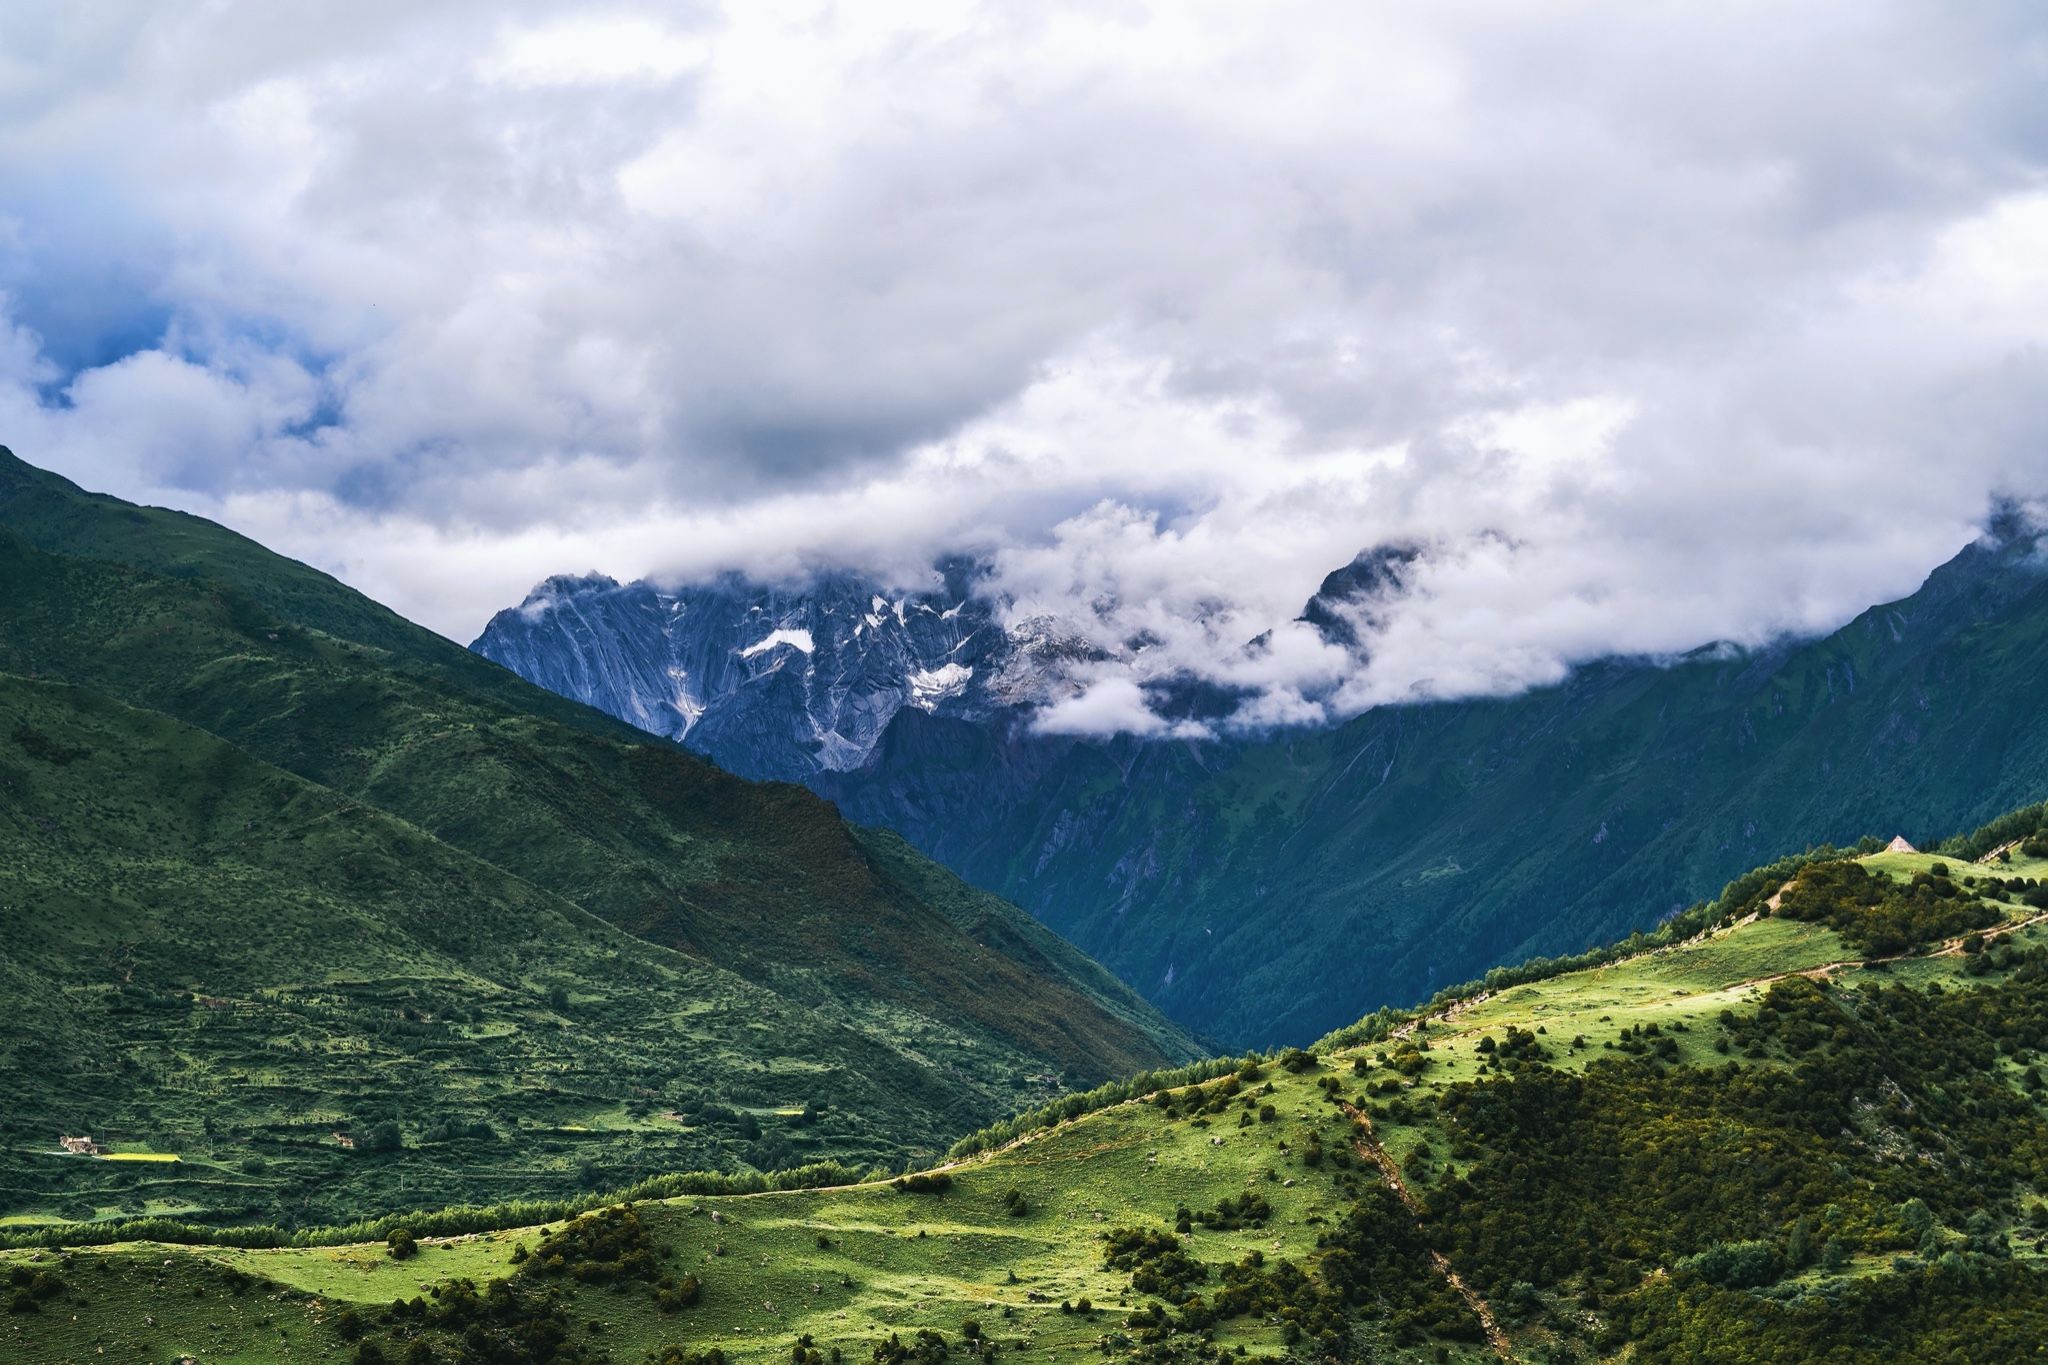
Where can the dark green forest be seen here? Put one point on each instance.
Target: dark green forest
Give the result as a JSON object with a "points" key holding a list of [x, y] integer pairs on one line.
{"points": [[348, 920]]}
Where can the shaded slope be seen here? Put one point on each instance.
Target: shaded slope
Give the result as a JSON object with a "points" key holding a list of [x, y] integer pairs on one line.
{"points": [[762, 878], [874, 952], [207, 956]]}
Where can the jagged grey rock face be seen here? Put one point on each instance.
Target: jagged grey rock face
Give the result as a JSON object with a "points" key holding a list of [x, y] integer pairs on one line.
{"points": [[780, 681], [1358, 594], [797, 680]]}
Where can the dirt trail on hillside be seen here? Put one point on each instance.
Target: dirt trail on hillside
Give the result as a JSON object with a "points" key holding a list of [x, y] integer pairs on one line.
{"points": [[1367, 1145], [1948, 947], [1450, 1012]]}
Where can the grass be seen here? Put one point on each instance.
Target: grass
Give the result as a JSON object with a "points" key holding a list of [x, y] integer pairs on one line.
{"points": [[913, 1260], [1680, 990], [850, 1264]]}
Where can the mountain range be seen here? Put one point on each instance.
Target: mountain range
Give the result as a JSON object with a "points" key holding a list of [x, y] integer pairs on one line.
{"points": [[781, 683], [384, 1001], [1264, 888]]}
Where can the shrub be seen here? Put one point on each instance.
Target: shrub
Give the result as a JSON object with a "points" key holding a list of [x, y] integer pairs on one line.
{"points": [[597, 1248], [1877, 916], [674, 1295], [1735, 1265]]}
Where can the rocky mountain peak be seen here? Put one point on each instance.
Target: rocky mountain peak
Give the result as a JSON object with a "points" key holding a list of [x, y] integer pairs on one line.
{"points": [[556, 587], [789, 680], [1355, 594], [783, 680]]}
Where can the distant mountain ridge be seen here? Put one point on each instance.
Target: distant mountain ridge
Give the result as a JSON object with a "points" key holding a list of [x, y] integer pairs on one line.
{"points": [[796, 681], [1268, 888], [792, 681], [774, 681]]}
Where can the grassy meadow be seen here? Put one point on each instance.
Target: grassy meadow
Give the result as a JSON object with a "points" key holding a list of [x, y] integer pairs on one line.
{"points": [[1025, 1229]]}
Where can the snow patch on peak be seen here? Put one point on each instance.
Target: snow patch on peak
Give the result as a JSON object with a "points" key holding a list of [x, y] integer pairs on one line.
{"points": [[796, 637], [930, 686]]}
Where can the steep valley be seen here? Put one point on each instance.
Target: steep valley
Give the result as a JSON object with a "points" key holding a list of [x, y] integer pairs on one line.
{"points": [[1265, 887]]}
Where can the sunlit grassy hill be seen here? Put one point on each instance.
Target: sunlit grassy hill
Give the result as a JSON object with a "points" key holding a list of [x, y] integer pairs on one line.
{"points": [[1753, 1142]]}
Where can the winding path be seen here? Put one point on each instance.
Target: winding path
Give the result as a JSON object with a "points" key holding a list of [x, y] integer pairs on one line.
{"points": [[1367, 1145]]}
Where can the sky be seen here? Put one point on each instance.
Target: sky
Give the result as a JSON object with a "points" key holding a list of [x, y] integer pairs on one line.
{"points": [[1652, 324]]}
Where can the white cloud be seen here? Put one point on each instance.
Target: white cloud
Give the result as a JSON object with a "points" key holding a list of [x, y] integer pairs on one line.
{"points": [[1656, 325], [1111, 705], [587, 50]]}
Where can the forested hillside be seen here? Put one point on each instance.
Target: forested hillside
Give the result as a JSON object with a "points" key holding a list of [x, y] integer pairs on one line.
{"points": [[663, 966], [1805, 1125]]}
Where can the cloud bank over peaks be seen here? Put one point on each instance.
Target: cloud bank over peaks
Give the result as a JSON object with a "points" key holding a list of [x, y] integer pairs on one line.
{"points": [[1483, 616], [1651, 325]]}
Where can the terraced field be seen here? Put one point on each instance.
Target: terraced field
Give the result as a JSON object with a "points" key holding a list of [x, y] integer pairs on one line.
{"points": [[844, 1265]]}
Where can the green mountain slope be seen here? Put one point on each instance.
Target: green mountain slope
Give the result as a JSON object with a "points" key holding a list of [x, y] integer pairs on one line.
{"points": [[1758, 1143], [926, 1006], [210, 957], [1267, 891], [57, 516]]}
